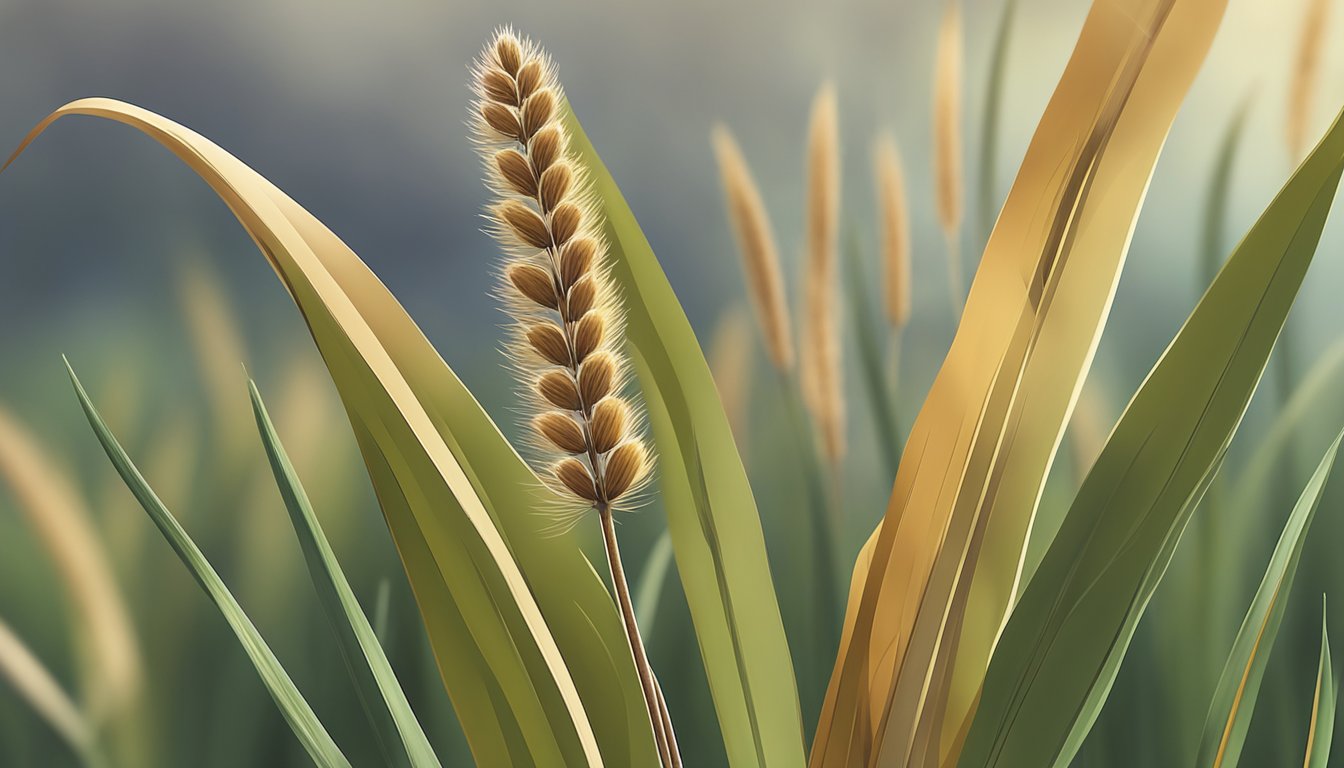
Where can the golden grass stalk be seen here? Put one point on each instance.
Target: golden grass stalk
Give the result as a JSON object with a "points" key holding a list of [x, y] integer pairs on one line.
{"points": [[217, 341], [1306, 73], [756, 243], [566, 342], [894, 217], [63, 525], [36, 685], [730, 362], [819, 361], [947, 172]]}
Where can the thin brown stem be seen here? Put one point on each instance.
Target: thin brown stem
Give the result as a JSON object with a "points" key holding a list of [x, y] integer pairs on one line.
{"points": [[661, 727], [666, 715]]}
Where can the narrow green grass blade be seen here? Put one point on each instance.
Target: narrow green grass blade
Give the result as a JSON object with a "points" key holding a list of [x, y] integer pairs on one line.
{"points": [[1063, 644], [987, 205], [300, 716], [527, 638], [712, 516], [1233, 702], [1322, 730], [650, 587], [398, 731], [1220, 189], [870, 349]]}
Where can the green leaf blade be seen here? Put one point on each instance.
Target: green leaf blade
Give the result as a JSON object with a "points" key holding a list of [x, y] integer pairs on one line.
{"points": [[1233, 702], [398, 731], [1063, 644], [712, 516], [300, 716]]}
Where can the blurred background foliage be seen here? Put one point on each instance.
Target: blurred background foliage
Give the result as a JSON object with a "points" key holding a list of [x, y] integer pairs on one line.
{"points": [[116, 256]]}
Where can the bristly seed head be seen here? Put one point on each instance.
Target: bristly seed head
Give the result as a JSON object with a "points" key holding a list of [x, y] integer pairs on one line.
{"points": [[567, 333]]}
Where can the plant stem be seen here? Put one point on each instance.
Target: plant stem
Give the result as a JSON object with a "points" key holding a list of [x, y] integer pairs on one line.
{"points": [[658, 718]]}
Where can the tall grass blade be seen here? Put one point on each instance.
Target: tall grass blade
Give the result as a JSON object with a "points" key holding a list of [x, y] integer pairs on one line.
{"points": [[1212, 249], [649, 590], [34, 683], [1064, 642], [1233, 702], [991, 112], [293, 706], [509, 606], [965, 495], [1323, 704], [399, 734], [873, 372], [712, 517], [59, 515]]}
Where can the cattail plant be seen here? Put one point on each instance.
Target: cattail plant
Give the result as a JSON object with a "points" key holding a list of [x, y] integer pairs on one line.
{"points": [[756, 242], [567, 326], [820, 364], [947, 145], [894, 236]]}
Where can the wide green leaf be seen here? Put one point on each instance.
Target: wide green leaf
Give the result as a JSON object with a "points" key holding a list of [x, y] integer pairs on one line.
{"points": [[1326, 698], [712, 517], [1233, 702], [526, 635], [400, 737], [1063, 644], [293, 706]]}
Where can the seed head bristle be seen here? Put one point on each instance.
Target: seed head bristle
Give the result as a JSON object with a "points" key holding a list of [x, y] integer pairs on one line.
{"points": [[947, 119], [895, 231], [819, 364], [756, 243], [567, 322]]}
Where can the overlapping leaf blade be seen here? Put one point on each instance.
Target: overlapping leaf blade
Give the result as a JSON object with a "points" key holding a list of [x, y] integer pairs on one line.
{"points": [[527, 638], [1064, 642], [399, 734], [1321, 733], [1233, 702], [946, 565], [712, 517], [314, 737]]}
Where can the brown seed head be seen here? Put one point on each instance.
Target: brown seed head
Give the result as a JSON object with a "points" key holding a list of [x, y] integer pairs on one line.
{"points": [[895, 230], [565, 309], [756, 243], [947, 120]]}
